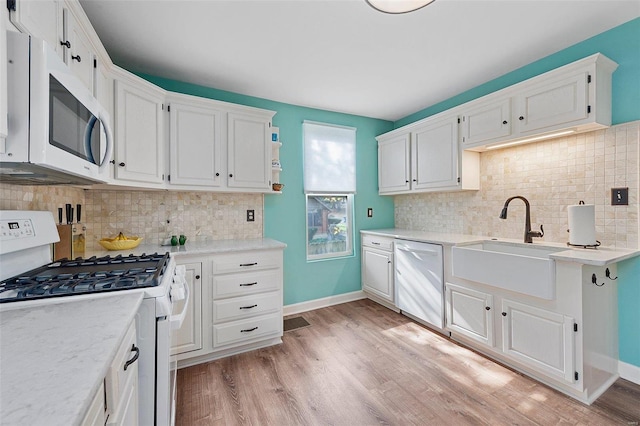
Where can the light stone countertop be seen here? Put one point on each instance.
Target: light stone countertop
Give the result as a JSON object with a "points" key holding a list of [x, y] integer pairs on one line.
{"points": [[54, 355], [601, 256], [198, 247]]}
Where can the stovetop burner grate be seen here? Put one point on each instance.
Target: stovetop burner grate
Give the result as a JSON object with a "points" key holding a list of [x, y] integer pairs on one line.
{"points": [[84, 276]]}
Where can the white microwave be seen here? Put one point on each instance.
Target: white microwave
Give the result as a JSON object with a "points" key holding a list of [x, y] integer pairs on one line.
{"points": [[58, 132]]}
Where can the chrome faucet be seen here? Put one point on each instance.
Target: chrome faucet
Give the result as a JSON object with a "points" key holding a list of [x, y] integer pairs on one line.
{"points": [[528, 233]]}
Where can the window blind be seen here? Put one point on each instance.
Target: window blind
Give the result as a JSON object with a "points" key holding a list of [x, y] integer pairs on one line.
{"points": [[329, 158]]}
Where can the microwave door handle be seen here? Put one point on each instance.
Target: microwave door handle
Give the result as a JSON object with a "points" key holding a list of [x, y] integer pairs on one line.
{"points": [[88, 131], [103, 116]]}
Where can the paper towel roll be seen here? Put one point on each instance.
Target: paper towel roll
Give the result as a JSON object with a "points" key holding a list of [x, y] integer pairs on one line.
{"points": [[582, 225]]}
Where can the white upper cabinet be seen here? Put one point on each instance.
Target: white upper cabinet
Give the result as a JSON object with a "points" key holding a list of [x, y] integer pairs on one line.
{"points": [[195, 141], [41, 19], [426, 157], [80, 55], [394, 167], [549, 104], [3, 81], [249, 150], [139, 142], [570, 99], [487, 122], [434, 154]]}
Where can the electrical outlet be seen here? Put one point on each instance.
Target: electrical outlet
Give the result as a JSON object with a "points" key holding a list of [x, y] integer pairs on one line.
{"points": [[619, 196], [251, 215], [369, 212]]}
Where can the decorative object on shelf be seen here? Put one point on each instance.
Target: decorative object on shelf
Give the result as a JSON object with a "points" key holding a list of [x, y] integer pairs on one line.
{"points": [[182, 240], [121, 242], [398, 6], [277, 186], [276, 164], [174, 240], [275, 134]]}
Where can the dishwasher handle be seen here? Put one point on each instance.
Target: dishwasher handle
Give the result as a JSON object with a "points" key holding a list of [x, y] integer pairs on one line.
{"points": [[413, 250]]}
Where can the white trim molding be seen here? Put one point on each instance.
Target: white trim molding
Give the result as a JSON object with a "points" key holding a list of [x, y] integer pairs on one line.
{"points": [[629, 372], [297, 308]]}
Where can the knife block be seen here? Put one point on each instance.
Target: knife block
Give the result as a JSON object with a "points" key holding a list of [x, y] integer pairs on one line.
{"points": [[72, 242]]}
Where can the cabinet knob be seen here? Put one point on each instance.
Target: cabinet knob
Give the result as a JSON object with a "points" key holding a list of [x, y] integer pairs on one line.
{"points": [[66, 44], [488, 308], [521, 118], [76, 58], [217, 174], [230, 174], [112, 162], [504, 314], [415, 180], [197, 277], [504, 122], [121, 164]]}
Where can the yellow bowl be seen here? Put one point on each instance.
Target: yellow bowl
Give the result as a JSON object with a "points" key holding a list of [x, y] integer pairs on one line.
{"points": [[115, 244]]}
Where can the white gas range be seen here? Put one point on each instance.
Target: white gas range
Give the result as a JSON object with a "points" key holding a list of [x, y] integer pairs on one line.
{"points": [[29, 277]]}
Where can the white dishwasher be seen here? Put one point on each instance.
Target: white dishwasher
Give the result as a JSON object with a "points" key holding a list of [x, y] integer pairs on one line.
{"points": [[419, 281]]}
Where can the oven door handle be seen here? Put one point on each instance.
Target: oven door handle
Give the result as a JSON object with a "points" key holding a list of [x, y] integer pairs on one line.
{"points": [[177, 319]]}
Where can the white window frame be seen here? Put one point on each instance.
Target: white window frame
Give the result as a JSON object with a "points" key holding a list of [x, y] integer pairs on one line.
{"points": [[348, 252]]}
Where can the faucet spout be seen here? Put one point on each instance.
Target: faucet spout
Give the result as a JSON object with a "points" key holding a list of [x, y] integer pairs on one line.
{"points": [[528, 233]]}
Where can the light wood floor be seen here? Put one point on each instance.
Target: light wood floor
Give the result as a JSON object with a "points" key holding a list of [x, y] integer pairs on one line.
{"points": [[362, 364]]}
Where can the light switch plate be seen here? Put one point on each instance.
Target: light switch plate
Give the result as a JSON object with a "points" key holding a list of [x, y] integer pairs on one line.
{"points": [[369, 212], [619, 196]]}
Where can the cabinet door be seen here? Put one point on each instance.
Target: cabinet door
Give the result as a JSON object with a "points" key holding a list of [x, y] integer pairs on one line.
{"points": [[540, 339], [79, 57], [249, 152], [469, 312], [139, 147], [377, 273], [550, 105], [189, 337], [3, 81], [486, 123], [434, 154], [393, 164], [195, 142], [41, 19]]}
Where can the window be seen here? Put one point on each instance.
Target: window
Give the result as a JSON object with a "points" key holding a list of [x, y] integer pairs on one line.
{"points": [[329, 184]]}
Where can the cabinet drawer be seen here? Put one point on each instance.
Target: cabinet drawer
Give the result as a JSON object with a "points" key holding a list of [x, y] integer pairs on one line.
{"points": [[242, 331], [118, 378], [248, 261], [245, 307], [246, 283], [383, 243]]}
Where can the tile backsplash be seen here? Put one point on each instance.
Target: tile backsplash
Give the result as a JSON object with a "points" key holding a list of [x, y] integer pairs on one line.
{"points": [[153, 215], [551, 175]]}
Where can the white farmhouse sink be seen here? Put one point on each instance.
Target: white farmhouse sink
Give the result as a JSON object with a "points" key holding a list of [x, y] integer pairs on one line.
{"points": [[523, 268]]}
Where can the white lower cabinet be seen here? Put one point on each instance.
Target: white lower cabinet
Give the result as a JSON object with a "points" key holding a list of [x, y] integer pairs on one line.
{"points": [[96, 415], [469, 312], [378, 267], [539, 338], [189, 337], [237, 304], [122, 383], [569, 342]]}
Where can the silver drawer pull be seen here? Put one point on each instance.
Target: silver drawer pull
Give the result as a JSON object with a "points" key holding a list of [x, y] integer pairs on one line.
{"points": [[374, 243], [249, 330], [249, 264], [248, 284], [248, 307]]}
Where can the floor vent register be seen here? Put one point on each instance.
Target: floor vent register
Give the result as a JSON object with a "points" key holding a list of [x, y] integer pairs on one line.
{"points": [[295, 323]]}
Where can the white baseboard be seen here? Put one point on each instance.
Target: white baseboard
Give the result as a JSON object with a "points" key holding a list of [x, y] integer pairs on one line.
{"points": [[297, 308], [629, 372]]}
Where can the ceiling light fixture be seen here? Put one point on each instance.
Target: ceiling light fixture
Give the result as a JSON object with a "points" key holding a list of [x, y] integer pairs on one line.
{"points": [[398, 6], [537, 138]]}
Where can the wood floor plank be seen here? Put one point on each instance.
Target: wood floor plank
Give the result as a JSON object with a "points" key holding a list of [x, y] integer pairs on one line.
{"points": [[359, 363]]}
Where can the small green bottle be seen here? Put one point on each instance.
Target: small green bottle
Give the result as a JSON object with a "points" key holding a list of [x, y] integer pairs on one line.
{"points": [[182, 240], [174, 240]]}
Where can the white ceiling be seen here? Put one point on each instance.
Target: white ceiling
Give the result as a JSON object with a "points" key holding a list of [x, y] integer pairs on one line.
{"points": [[342, 55]]}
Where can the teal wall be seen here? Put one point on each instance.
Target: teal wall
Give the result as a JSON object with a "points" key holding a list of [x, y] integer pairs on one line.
{"points": [[285, 214], [621, 44]]}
